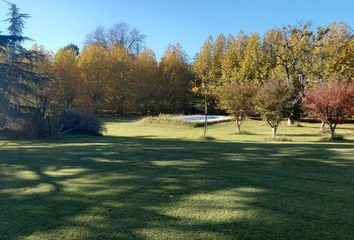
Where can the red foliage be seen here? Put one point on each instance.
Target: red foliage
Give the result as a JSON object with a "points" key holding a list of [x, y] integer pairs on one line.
{"points": [[332, 102]]}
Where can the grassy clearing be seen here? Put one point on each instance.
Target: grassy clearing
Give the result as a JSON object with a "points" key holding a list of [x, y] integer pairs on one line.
{"points": [[160, 181]]}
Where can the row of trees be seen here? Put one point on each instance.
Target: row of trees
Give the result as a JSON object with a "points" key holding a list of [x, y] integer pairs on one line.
{"points": [[119, 79], [332, 101], [112, 80], [230, 70], [115, 73], [296, 54]]}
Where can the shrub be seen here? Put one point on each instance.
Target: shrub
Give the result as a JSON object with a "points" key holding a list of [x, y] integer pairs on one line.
{"points": [[169, 121], [25, 131], [297, 124], [81, 122], [336, 137], [278, 139], [29, 127], [243, 132], [207, 138]]}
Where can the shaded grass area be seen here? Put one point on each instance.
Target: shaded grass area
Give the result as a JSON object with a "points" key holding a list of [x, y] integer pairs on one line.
{"points": [[147, 184]]}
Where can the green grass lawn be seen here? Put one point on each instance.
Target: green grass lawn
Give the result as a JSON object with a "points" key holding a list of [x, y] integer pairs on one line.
{"points": [[163, 182]]}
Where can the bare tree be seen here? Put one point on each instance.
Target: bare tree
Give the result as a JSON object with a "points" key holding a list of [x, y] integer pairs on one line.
{"points": [[136, 41], [99, 36], [119, 34]]}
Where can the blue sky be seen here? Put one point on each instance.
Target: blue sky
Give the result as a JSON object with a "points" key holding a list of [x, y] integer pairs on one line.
{"points": [[55, 23]]}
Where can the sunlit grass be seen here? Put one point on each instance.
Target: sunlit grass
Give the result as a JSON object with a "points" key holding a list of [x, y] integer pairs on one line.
{"points": [[251, 131]]}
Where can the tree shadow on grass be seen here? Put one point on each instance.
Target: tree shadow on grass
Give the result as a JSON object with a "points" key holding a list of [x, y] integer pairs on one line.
{"points": [[303, 134], [145, 188]]}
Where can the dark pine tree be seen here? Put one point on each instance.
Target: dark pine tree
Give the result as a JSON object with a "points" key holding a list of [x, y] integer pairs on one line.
{"points": [[73, 47], [21, 102]]}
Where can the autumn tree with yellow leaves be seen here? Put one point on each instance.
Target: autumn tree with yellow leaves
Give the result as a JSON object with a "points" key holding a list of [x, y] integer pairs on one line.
{"points": [[64, 91], [175, 80], [94, 75]]}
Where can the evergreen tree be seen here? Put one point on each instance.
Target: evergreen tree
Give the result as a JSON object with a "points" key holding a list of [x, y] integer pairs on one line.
{"points": [[73, 47], [21, 104]]}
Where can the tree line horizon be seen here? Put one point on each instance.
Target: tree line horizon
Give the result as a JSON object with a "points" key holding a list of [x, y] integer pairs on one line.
{"points": [[115, 73], [233, 58]]}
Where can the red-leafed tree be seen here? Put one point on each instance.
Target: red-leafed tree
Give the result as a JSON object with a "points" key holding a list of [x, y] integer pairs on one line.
{"points": [[332, 102]]}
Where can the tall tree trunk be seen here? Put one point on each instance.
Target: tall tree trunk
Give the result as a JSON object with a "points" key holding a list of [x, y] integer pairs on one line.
{"points": [[206, 115], [322, 126], [122, 106], [290, 121], [288, 77], [274, 129], [332, 132], [238, 125]]}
